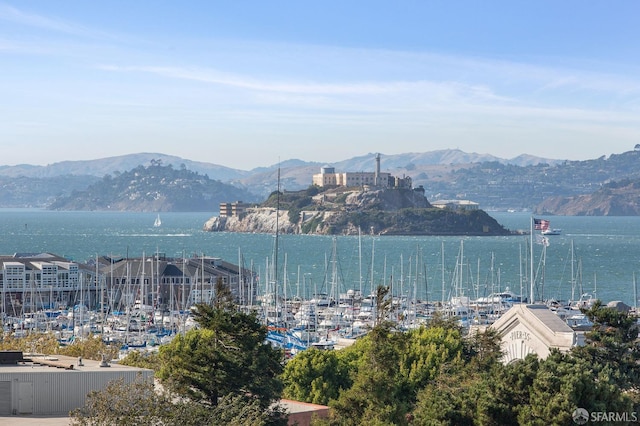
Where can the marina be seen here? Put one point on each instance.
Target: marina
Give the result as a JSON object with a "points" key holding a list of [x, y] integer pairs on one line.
{"points": [[323, 288]]}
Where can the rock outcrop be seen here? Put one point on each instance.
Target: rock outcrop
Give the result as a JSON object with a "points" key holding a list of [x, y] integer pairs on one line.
{"points": [[261, 220], [348, 212]]}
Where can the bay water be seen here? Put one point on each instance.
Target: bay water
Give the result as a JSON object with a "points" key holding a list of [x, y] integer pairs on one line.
{"points": [[597, 255]]}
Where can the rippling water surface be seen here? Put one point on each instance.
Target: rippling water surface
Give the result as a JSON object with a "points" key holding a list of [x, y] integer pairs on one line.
{"points": [[606, 253]]}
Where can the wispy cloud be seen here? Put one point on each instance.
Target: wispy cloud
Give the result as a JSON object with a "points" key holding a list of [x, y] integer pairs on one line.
{"points": [[18, 16], [472, 78], [402, 91], [8, 13], [411, 102], [243, 82], [292, 85], [552, 77]]}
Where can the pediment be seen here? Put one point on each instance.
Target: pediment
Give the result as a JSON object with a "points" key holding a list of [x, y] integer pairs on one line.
{"points": [[526, 329]]}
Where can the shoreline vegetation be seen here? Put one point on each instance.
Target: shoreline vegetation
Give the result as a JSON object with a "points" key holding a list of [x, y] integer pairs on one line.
{"points": [[351, 211]]}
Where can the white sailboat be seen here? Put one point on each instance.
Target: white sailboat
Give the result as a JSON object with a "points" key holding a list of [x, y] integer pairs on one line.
{"points": [[157, 222]]}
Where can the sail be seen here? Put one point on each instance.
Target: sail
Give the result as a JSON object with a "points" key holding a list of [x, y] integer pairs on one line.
{"points": [[158, 222]]}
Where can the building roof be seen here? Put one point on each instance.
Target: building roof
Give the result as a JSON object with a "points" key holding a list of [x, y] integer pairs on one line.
{"points": [[536, 328], [298, 406], [538, 316], [39, 363], [456, 202], [547, 317], [35, 261], [169, 267]]}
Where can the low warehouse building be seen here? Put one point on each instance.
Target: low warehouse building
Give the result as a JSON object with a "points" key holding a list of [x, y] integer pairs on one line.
{"points": [[55, 385]]}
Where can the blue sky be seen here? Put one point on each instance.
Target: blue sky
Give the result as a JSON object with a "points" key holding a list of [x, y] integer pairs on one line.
{"points": [[250, 83]]}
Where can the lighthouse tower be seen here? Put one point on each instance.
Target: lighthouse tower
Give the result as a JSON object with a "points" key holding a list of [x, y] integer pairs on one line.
{"points": [[376, 178]]}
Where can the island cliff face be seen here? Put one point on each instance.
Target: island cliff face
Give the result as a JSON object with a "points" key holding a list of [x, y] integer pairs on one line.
{"points": [[259, 220], [343, 211]]}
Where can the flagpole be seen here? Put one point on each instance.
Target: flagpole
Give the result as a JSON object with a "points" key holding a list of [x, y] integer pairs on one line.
{"points": [[531, 298]]}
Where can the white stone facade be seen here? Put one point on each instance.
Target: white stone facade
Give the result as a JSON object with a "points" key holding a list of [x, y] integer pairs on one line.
{"points": [[526, 329]]}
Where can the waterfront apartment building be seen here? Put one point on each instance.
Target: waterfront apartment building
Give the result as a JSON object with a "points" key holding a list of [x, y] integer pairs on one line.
{"points": [[32, 281], [36, 281], [172, 283]]}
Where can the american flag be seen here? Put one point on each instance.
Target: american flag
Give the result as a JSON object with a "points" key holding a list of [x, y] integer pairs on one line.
{"points": [[540, 224]]}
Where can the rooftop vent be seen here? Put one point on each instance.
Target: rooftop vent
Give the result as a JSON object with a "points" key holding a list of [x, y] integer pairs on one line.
{"points": [[10, 357], [104, 362]]}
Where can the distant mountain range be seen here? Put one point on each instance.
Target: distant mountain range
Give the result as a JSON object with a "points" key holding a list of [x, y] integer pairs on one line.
{"points": [[495, 183], [123, 163], [294, 174], [103, 166]]}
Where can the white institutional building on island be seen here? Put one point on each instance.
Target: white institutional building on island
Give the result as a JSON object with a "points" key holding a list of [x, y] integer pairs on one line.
{"points": [[329, 177]]}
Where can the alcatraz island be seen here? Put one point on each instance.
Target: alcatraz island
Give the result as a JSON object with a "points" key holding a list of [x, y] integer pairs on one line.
{"points": [[349, 203]]}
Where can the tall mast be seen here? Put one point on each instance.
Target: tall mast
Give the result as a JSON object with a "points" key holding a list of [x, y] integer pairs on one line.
{"points": [[531, 297], [240, 284], [442, 254], [635, 295], [275, 252], [360, 259], [373, 250], [520, 269], [142, 286], [573, 278], [202, 278]]}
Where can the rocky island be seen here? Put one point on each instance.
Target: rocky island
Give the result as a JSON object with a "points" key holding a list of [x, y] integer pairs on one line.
{"points": [[348, 212], [354, 202]]}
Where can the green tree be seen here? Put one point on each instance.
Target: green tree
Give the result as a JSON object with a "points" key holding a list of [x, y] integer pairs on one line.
{"points": [[223, 300], [315, 376], [378, 392], [427, 350], [506, 391], [483, 348], [562, 384], [222, 373], [399, 375], [122, 404], [140, 403], [91, 347], [383, 304], [44, 343], [612, 343], [449, 373], [446, 399], [226, 355], [149, 360]]}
